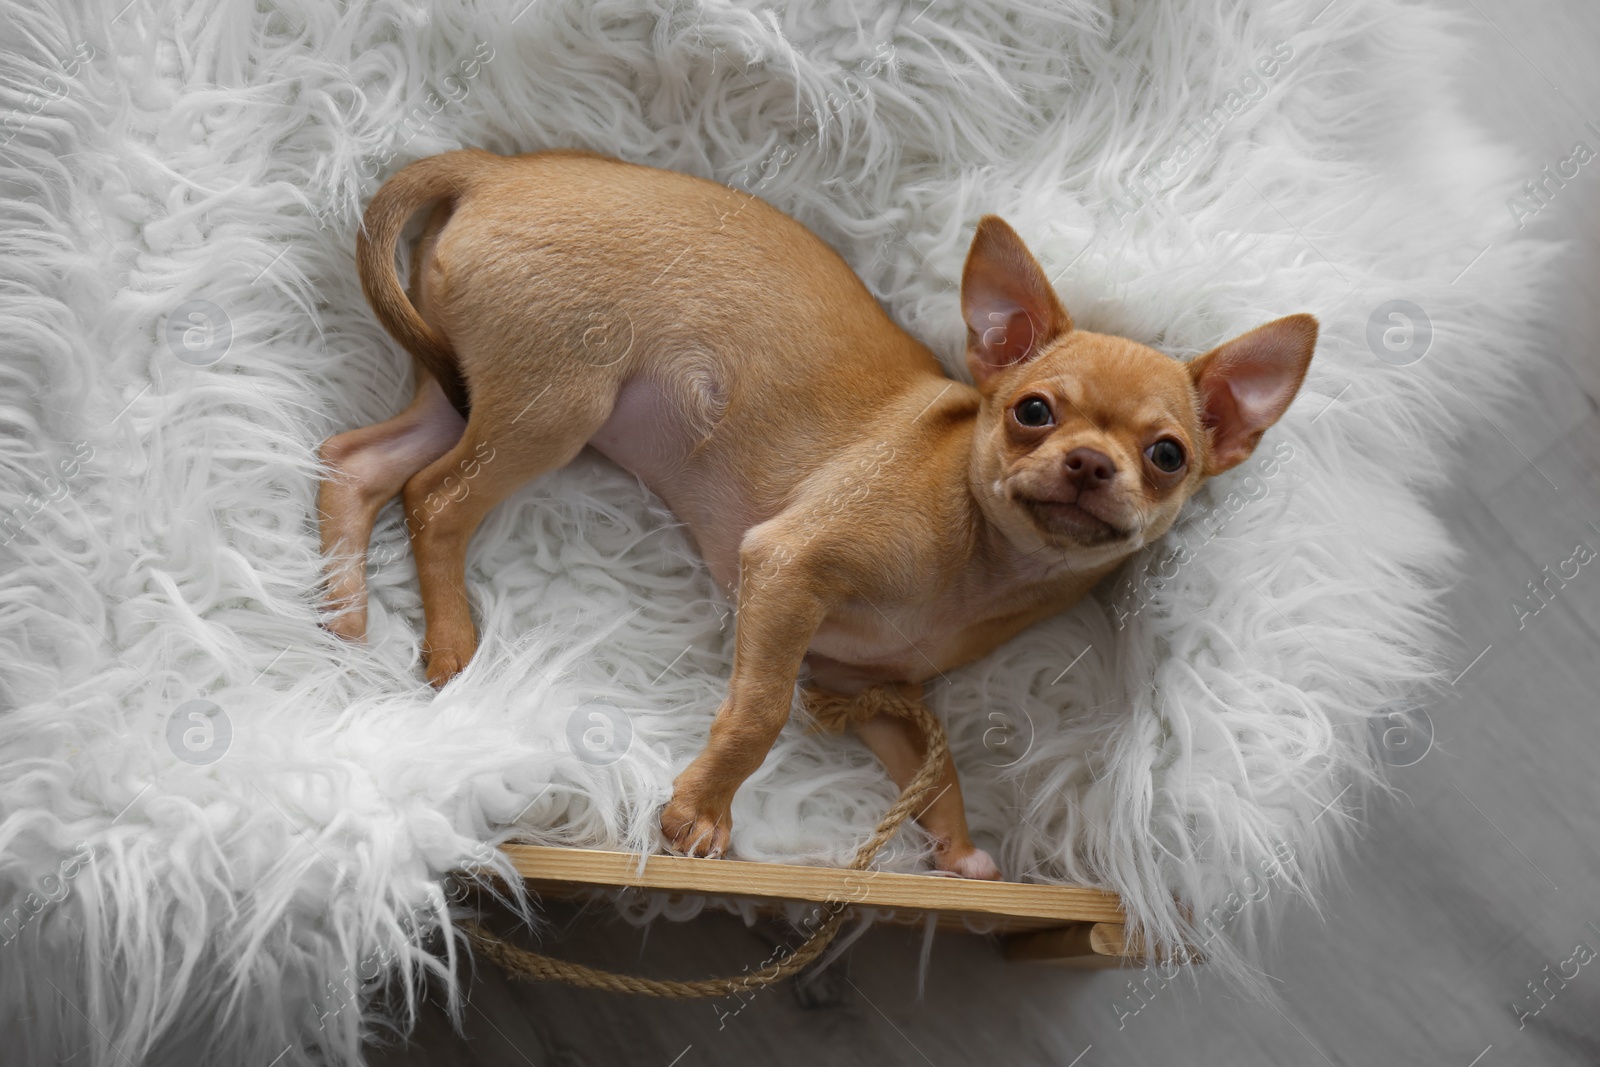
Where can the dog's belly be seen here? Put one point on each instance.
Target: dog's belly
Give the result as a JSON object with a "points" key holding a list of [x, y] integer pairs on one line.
{"points": [[645, 434], [653, 435]]}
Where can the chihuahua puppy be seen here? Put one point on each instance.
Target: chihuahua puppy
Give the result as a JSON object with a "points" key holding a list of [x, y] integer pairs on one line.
{"points": [[874, 521]]}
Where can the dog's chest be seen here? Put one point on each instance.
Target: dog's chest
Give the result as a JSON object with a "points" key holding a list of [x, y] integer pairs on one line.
{"points": [[870, 640], [862, 642], [858, 639]]}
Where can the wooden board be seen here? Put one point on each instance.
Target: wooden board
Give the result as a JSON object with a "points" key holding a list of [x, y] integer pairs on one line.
{"points": [[1081, 945], [1013, 906]]}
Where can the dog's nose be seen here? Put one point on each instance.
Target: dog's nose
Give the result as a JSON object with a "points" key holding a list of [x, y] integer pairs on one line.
{"points": [[1090, 469]]}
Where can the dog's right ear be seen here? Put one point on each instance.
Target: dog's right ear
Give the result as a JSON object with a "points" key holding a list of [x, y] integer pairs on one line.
{"points": [[1011, 309]]}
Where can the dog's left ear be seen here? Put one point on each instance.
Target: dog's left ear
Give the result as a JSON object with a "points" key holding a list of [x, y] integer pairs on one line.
{"points": [[1011, 309], [1247, 384]]}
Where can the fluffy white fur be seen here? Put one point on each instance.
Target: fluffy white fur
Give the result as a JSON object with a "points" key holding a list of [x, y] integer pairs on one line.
{"points": [[222, 150]]}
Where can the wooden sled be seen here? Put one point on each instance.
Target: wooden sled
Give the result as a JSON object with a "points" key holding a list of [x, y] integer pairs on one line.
{"points": [[1070, 925]]}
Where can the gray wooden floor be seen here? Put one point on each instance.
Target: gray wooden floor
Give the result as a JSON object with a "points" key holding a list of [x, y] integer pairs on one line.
{"points": [[1480, 881]]}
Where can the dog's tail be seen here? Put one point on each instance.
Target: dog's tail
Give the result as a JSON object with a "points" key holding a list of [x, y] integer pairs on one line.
{"points": [[437, 177]]}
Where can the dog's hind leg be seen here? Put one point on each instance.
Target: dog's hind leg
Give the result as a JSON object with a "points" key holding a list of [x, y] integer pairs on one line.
{"points": [[366, 468], [446, 500]]}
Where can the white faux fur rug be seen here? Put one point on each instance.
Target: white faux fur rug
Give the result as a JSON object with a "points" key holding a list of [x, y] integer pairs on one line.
{"points": [[220, 824]]}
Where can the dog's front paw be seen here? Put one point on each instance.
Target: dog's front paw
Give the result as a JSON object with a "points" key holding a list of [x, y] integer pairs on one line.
{"points": [[970, 862], [696, 829]]}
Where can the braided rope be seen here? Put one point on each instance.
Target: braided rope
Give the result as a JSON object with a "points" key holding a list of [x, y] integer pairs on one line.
{"points": [[831, 711]]}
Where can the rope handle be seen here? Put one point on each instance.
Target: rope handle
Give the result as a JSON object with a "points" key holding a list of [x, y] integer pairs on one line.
{"points": [[831, 710]]}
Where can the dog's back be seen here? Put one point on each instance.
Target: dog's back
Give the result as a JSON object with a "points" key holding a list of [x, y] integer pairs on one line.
{"points": [[700, 317]]}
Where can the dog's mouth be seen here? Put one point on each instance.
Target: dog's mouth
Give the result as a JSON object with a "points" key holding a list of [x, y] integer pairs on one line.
{"points": [[1073, 520]]}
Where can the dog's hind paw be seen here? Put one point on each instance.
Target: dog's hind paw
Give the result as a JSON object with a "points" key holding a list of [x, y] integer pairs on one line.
{"points": [[443, 665], [350, 624]]}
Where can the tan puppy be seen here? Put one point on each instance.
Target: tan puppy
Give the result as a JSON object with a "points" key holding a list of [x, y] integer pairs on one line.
{"points": [[874, 521]]}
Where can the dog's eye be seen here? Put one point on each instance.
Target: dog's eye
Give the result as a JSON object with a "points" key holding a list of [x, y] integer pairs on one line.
{"points": [[1166, 454], [1033, 412]]}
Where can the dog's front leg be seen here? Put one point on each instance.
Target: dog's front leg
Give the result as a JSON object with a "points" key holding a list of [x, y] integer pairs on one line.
{"points": [[781, 604], [900, 746]]}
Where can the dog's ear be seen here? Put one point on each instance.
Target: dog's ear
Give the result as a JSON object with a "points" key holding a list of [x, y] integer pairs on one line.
{"points": [[1012, 311], [1247, 384]]}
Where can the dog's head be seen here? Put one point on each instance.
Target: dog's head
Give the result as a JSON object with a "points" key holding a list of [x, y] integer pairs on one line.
{"points": [[1088, 445]]}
